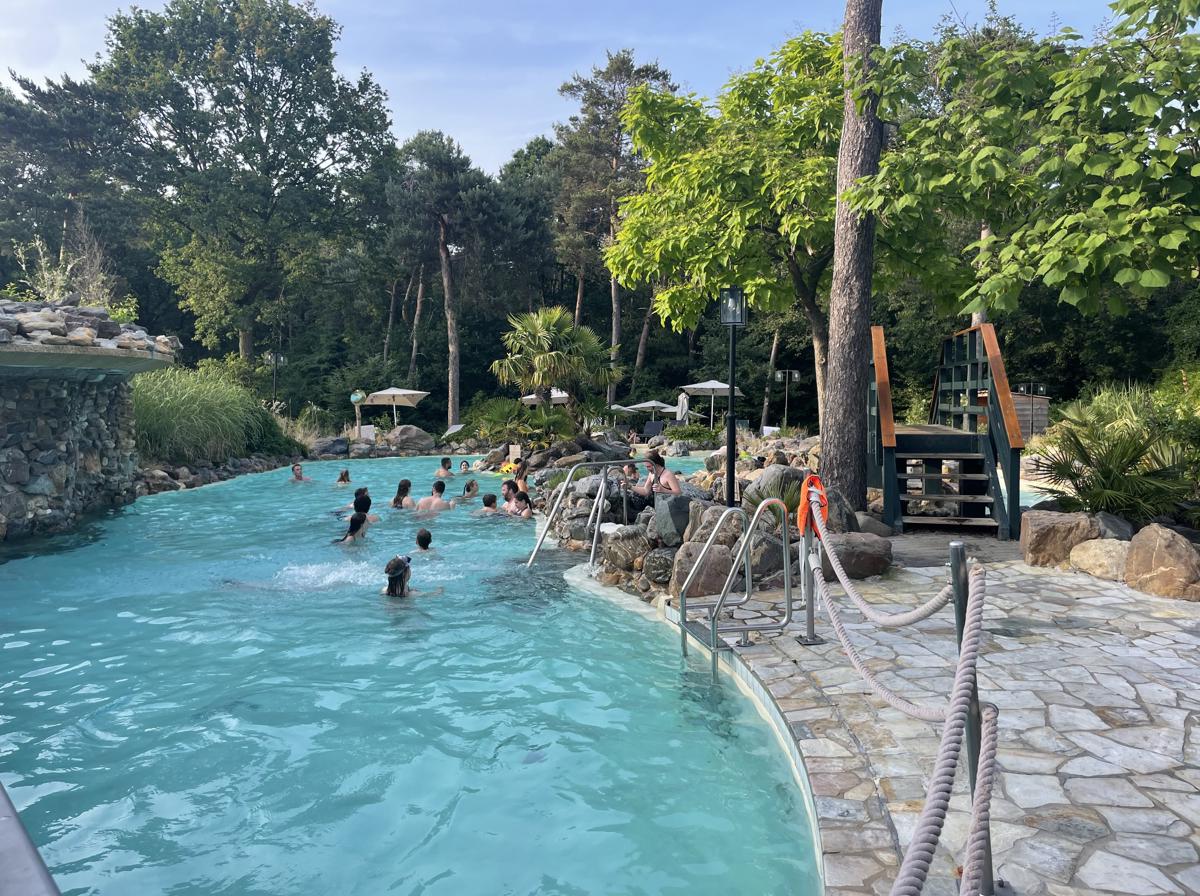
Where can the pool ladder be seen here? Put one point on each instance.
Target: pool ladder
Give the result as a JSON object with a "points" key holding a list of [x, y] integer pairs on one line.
{"points": [[711, 631], [595, 513]]}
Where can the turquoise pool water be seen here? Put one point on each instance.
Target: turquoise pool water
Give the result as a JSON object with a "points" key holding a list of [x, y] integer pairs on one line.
{"points": [[202, 695]]}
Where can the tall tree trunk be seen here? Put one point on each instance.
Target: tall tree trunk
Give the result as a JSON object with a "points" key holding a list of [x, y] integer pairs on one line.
{"points": [[770, 379], [643, 341], [818, 325], [980, 316], [451, 327], [246, 341], [387, 336], [844, 434], [579, 297], [416, 326], [616, 332]]}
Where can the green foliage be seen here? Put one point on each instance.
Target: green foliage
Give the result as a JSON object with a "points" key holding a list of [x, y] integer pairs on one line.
{"points": [[787, 491], [316, 418], [696, 433], [500, 420], [188, 415]]}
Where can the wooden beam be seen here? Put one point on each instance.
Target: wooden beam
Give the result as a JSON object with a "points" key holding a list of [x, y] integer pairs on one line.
{"points": [[1008, 409], [883, 388]]}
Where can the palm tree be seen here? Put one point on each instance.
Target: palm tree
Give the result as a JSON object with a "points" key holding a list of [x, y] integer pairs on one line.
{"points": [[546, 350]]}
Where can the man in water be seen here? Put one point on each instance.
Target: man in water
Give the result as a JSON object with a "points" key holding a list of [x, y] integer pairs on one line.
{"points": [[298, 474], [489, 505], [508, 491], [434, 500], [444, 471], [424, 540]]}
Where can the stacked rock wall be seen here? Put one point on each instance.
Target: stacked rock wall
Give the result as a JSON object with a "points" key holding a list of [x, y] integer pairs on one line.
{"points": [[66, 448]]}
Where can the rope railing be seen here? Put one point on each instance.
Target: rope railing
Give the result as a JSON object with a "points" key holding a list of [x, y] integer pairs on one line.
{"points": [[964, 720]]}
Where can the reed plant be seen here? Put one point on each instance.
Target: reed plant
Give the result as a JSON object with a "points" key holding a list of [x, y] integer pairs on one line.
{"points": [[185, 415]]}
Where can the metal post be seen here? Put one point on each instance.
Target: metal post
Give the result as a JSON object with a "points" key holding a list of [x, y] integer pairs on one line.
{"points": [[809, 590], [730, 432], [601, 497], [787, 382], [958, 579]]}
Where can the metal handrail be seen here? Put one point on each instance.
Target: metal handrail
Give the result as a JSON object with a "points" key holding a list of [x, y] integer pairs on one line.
{"points": [[744, 552], [694, 571], [604, 464]]}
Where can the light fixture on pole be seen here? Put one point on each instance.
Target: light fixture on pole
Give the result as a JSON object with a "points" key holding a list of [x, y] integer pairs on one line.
{"points": [[786, 377], [733, 315], [277, 359]]}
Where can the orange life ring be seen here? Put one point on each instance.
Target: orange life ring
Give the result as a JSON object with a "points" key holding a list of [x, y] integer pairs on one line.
{"points": [[812, 483]]}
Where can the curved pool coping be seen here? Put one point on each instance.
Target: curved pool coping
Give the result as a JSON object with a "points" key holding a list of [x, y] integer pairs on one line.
{"points": [[747, 681]]}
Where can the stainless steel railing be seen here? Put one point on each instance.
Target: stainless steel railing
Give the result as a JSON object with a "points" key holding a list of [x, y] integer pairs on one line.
{"points": [[596, 511]]}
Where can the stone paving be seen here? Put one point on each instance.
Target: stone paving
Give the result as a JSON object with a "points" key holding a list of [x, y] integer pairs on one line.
{"points": [[1099, 697]]}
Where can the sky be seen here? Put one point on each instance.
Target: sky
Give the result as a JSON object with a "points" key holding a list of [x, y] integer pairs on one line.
{"points": [[488, 73]]}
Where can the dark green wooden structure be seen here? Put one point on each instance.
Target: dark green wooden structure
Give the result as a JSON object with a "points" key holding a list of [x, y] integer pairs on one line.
{"points": [[965, 462]]}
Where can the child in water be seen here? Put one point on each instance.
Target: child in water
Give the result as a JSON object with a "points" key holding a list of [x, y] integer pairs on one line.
{"points": [[398, 572]]}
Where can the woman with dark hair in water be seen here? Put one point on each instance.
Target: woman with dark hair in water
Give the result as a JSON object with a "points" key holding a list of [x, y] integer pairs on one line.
{"points": [[469, 494], [520, 474], [398, 572], [357, 531], [402, 500], [343, 478], [524, 506]]}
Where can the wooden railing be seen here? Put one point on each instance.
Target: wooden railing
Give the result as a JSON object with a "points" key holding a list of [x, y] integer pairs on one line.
{"points": [[971, 385], [881, 435]]}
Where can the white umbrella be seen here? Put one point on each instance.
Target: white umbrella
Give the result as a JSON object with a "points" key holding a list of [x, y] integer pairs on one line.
{"points": [[457, 427], [652, 406], [407, 398], [557, 396], [711, 388], [681, 409]]}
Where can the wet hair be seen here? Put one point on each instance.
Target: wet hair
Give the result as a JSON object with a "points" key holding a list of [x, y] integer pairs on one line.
{"points": [[439, 487], [397, 572], [655, 458], [630, 468], [489, 500], [522, 469], [445, 463], [357, 521], [402, 490], [464, 464], [424, 539], [523, 498], [511, 483], [470, 488], [294, 466], [344, 476], [362, 503], [360, 491]]}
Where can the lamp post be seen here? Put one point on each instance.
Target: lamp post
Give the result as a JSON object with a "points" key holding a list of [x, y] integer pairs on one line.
{"points": [[786, 377], [276, 358], [733, 315], [1031, 389]]}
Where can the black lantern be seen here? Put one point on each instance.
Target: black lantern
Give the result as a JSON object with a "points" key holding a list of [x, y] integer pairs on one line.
{"points": [[733, 306]]}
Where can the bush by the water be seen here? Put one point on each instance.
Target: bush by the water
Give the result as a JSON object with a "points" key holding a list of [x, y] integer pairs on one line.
{"points": [[696, 433], [189, 415]]}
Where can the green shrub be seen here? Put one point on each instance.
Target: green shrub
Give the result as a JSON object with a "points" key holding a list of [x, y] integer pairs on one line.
{"points": [[696, 433], [186, 415]]}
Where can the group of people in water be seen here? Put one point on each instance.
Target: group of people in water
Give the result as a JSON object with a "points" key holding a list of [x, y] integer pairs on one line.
{"points": [[515, 502]]}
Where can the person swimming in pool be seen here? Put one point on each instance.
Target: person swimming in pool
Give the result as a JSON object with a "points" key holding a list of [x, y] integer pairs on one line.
{"points": [[402, 499], [298, 474], [524, 505], [357, 531], [399, 572], [469, 494], [489, 506], [424, 540], [444, 471], [343, 478], [434, 500], [464, 468]]}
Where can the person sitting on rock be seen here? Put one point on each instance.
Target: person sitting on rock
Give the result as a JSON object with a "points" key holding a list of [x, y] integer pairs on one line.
{"points": [[357, 531], [659, 480], [444, 471], [298, 474], [402, 499], [434, 500], [489, 506]]}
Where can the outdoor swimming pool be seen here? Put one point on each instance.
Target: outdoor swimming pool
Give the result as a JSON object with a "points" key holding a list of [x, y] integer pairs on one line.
{"points": [[202, 695]]}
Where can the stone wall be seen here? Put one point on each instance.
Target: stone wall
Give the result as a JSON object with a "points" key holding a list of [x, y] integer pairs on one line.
{"points": [[66, 420], [66, 448]]}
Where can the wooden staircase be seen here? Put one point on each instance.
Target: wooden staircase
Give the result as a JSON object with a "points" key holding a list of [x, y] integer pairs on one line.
{"points": [[963, 467]]}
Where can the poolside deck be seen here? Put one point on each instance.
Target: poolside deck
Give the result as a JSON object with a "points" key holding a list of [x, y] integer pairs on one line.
{"points": [[1099, 695]]}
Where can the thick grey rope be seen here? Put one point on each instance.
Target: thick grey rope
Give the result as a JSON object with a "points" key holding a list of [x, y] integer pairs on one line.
{"points": [[908, 617], [928, 713], [981, 809], [919, 855]]}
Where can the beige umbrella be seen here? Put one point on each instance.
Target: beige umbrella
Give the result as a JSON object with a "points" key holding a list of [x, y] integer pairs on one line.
{"points": [[557, 396], [652, 406], [397, 398], [711, 388]]}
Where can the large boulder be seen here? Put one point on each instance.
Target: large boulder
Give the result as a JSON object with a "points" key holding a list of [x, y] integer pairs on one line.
{"points": [[671, 514], [495, 458], [330, 445], [772, 482], [1047, 538], [729, 534], [1163, 562], [679, 449], [868, 523], [712, 575], [842, 517], [693, 491], [1113, 526], [410, 438], [1103, 558], [657, 565], [715, 461], [766, 554], [624, 546], [361, 449], [862, 555], [656, 441], [570, 460]]}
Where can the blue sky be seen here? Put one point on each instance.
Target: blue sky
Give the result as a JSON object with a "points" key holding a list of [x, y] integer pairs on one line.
{"points": [[487, 73]]}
